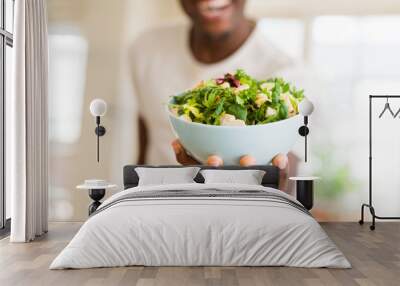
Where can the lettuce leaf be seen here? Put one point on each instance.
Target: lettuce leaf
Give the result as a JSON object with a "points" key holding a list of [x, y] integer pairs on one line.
{"points": [[236, 94]]}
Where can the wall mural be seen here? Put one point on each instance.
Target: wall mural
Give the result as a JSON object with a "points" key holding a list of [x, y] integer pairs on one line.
{"points": [[342, 70]]}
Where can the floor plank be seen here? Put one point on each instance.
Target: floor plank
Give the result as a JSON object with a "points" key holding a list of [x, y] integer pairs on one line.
{"points": [[375, 257]]}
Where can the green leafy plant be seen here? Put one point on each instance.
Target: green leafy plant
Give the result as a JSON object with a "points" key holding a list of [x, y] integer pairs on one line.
{"points": [[336, 177]]}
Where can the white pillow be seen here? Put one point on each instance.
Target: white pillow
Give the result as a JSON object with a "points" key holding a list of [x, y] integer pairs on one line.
{"points": [[248, 177], [165, 176]]}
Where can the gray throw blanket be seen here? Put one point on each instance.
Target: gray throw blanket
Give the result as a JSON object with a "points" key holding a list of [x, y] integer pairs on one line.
{"points": [[207, 194]]}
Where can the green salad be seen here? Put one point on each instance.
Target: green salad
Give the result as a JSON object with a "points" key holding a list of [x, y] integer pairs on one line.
{"points": [[238, 100]]}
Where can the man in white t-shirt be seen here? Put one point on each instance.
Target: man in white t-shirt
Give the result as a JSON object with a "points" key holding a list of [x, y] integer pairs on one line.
{"points": [[169, 60]]}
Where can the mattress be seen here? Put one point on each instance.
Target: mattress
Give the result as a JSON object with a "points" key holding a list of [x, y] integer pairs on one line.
{"points": [[201, 225]]}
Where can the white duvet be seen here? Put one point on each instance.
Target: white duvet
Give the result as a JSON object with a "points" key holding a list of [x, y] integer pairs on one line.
{"points": [[200, 231]]}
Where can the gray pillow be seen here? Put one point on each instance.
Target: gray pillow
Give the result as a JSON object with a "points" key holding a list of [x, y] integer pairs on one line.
{"points": [[248, 177], [165, 176]]}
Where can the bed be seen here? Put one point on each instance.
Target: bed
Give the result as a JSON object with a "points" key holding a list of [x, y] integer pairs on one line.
{"points": [[198, 224]]}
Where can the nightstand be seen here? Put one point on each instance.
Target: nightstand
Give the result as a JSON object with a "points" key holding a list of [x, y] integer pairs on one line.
{"points": [[305, 190], [97, 190]]}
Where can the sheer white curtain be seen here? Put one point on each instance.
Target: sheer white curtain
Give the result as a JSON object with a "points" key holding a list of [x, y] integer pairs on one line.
{"points": [[27, 121]]}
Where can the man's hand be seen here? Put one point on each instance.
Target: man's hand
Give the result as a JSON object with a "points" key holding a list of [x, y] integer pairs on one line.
{"points": [[182, 157], [280, 160]]}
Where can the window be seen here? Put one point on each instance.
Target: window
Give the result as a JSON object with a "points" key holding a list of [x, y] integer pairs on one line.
{"points": [[6, 44], [68, 51], [357, 56]]}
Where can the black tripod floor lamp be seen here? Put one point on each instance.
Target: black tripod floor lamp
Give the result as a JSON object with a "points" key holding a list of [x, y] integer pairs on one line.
{"points": [[370, 202]]}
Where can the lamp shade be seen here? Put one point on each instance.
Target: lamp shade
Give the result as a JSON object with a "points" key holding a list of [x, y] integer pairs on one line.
{"points": [[98, 107], [306, 107]]}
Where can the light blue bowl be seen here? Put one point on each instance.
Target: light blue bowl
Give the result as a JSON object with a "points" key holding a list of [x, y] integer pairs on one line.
{"points": [[263, 142]]}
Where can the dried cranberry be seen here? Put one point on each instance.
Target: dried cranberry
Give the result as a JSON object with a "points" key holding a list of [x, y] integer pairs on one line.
{"points": [[232, 80]]}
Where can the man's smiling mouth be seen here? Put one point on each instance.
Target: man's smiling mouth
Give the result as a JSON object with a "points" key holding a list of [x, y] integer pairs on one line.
{"points": [[213, 8]]}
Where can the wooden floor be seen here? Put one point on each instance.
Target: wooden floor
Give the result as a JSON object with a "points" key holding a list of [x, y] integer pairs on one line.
{"points": [[375, 257]]}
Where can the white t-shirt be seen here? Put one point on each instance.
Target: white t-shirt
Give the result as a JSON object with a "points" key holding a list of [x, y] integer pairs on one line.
{"points": [[163, 65]]}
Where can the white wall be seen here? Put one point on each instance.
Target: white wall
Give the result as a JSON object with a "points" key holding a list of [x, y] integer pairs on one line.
{"points": [[101, 31], [95, 75]]}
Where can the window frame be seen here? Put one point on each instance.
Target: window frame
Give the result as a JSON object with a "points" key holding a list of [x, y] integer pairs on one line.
{"points": [[6, 39]]}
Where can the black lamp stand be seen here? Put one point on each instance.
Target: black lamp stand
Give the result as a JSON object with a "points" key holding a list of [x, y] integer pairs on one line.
{"points": [[305, 193], [100, 131], [304, 131], [96, 195]]}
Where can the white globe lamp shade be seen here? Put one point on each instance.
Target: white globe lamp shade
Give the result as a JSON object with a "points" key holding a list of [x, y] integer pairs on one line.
{"points": [[306, 107], [98, 107]]}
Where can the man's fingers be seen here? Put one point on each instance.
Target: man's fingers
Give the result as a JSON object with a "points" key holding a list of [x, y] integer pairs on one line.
{"points": [[247, 160], [181, 156], [214, 161], [177, 146], [280, 161]]}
